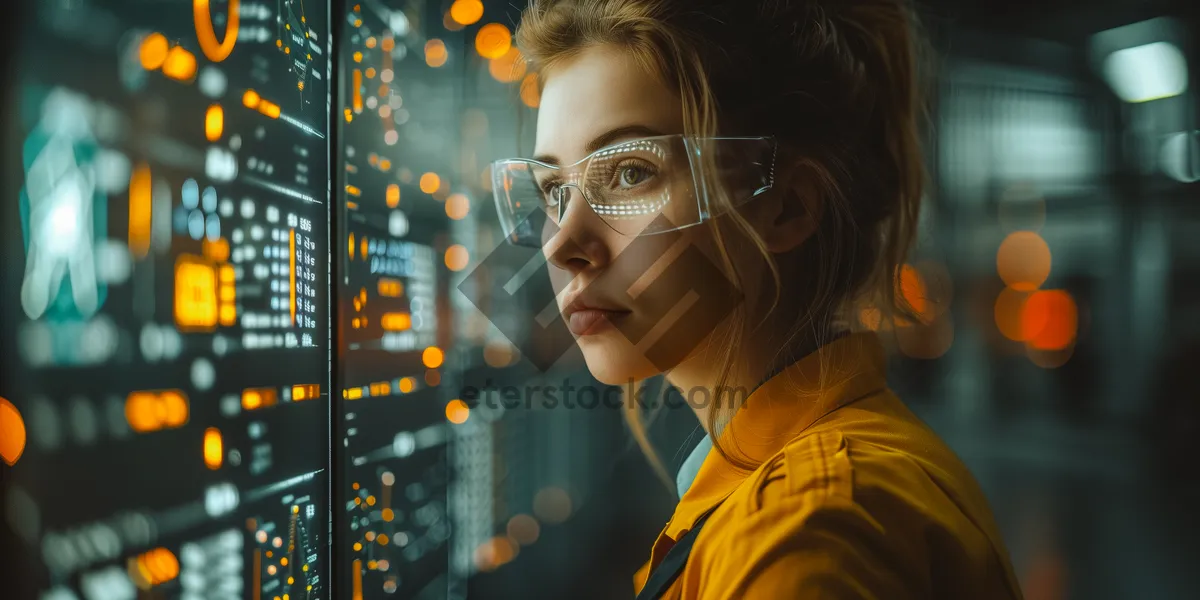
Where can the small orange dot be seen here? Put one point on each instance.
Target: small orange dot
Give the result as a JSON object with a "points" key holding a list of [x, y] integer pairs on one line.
{"points": [[430, 182], [432, 357], [457, 257]]}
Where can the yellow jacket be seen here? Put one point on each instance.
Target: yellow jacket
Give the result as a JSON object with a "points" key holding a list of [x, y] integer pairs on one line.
{"points": [[855, 498]]}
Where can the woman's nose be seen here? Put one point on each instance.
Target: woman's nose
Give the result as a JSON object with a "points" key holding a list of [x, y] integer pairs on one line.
{"points": [[579, 240]]}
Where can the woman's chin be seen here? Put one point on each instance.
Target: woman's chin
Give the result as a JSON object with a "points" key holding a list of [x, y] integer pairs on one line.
{"points": [[616, 364]]}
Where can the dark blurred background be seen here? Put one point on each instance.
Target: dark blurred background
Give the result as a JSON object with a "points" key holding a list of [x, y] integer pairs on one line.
{"points": [[1060, 245]]}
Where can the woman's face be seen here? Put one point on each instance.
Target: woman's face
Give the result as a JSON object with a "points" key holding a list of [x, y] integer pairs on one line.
{"points": [[625, 299]]}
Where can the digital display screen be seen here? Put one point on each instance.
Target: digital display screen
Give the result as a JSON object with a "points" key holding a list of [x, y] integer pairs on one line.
{"points": [[164, 310]]}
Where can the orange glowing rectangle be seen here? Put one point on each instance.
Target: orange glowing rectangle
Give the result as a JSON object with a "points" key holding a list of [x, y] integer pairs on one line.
{"points": [[153, 568], [217, 251], [256, 398], [354, 393], [292, 272], [352, 206], [195, 294], [228, 315], [353, 191], [357, 94], [269, 109], [214, 448], [148, 411], [356, 575], [139, 210], [390, 288], [396, 321], [214, 122], [393, 195], [305, 392]]}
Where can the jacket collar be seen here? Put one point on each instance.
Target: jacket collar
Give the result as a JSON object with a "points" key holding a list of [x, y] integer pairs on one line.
{"points": [[777, 412]]}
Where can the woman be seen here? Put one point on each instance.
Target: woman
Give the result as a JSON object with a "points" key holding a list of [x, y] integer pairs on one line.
{"points": [[719, 185]]}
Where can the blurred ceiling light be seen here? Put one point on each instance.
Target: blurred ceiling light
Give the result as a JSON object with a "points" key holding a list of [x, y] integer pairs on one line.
{"points": [[1148, 72]]}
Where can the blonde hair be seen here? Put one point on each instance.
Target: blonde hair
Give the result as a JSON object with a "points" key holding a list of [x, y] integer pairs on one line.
{"points": [[835, 81]]}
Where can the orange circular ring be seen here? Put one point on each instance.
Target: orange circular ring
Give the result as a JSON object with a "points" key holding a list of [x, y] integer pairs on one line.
{"points": [[214, 50]]}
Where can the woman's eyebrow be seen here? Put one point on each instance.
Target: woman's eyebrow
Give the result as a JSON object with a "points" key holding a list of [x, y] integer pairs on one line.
{"points": [[605, 139]]}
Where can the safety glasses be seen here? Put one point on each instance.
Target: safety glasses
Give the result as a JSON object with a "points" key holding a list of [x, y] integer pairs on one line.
{"points": [[645, 186]]}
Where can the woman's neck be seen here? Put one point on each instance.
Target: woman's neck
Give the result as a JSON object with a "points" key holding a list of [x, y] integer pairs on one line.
{"points": [[758, 355]]}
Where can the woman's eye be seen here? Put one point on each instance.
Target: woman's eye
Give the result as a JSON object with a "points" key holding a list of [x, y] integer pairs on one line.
{"points": [[630, 176], [551, 190]]}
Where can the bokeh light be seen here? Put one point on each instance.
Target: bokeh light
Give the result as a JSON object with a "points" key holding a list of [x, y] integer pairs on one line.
{"points": [[1049, 320], [493, 40], [531, 96], [436, 53], [457, 257], [508, 68], [457, 206], [457, 411], [430, 182], [466, 12], [1023, 260], [12, 433]]}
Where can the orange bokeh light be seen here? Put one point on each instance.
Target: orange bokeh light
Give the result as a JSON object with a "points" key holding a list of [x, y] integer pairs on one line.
{"points": [[432, 357], [531, 96], [436, 53], [466, 12], [493, 40], [214, 122], [457, 411], [1007, 313], [153, 51], [509, 67], [180, 64], [140, 209], [213, 448], [1023, 261], [457, 206], [457, 257], [12, 433], [430, 182], [1050, 320]]}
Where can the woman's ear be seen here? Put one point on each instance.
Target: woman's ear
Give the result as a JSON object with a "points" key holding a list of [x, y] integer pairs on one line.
{"points": [[792, 214]]}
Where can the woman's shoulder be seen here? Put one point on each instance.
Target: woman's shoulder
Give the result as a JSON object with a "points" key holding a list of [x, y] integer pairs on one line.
{"points": [[875, 483]]}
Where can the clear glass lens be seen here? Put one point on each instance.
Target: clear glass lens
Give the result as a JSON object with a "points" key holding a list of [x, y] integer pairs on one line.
{"points": [[639, 187]]}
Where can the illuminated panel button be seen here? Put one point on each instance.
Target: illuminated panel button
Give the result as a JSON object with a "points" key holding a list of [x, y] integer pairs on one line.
{"points": [[140, 210], [148, 411], [195, 294], [153, 568], [396, 321], [214, 448], [305, 392], [256, 398]]}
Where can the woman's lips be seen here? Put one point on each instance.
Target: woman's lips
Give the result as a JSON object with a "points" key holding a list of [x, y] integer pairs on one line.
{"points": [[591, 321]]}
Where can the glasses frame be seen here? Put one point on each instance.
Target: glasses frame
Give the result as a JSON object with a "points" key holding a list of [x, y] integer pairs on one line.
{"points": [[694, 146]]}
